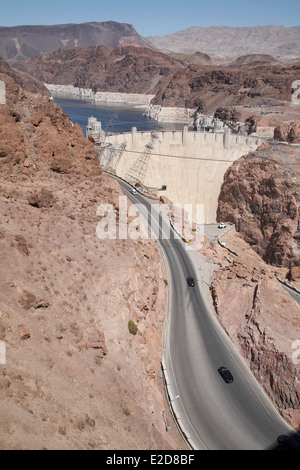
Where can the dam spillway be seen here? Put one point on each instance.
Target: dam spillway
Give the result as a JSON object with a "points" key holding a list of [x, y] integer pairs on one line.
{"points": [[190, 164]]}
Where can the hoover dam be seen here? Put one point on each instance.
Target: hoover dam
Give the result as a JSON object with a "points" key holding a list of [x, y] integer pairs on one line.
{"points": [[189, 166]]}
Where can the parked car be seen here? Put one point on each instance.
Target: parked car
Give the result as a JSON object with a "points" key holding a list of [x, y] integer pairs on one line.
{"points": [[221, 225], [226, 374], [190, 281]]}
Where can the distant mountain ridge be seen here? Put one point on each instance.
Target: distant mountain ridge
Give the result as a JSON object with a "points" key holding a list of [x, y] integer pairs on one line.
{"points": [[225, 43], [189, 82], [19, 43]]}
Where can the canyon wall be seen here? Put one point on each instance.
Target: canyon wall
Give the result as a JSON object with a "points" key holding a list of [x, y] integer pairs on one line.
{"points": [[260, 195], [75, 376], [261, 318]]}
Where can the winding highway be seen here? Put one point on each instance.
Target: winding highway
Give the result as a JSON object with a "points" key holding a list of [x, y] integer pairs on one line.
{"points": [[213, 415]]}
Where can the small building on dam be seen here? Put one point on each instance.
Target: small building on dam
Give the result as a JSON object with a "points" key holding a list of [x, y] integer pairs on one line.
{"points": [[189, 165]]}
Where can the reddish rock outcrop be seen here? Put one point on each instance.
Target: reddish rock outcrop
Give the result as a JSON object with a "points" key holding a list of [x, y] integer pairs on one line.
{"points": [[288, 133], [180, 81], [18, 43], [111, 69], [294, 274], [44, 198], [225, 43], [74, 378], [262, 320]]}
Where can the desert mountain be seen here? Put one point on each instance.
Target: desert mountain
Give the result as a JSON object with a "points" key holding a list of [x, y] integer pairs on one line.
{"points": [[24, 80], [174, 81], [256, 60], [224, 43], [19, 43], [262, 320]]}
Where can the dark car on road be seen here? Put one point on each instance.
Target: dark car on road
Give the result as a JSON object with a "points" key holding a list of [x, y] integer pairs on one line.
{"points": [[190, 281], [226, 374]]}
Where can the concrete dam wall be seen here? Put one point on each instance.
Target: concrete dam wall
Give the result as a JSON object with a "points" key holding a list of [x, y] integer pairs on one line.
{"points": [[190, 164]]}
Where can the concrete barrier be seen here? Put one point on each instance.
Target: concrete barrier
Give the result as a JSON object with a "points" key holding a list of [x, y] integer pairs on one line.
{"points": [[103, 97]]}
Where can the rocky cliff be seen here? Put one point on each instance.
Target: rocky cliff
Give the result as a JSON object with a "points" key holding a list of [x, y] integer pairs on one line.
{"points": [[288, 132], [260, 196], [261, 318], [256, 60], [119, 69], [224, 43], [209, 88], [19, 43], [76, 376]]}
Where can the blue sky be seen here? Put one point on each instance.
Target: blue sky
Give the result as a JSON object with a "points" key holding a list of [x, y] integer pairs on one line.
{"points": [[152, 17]]}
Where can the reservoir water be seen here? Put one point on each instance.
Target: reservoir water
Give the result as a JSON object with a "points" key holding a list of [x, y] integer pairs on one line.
{"points": [[114, 117]]}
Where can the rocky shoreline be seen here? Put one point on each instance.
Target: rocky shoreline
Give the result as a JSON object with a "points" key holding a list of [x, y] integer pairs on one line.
{"points": [[156, 112], [104, 97]]}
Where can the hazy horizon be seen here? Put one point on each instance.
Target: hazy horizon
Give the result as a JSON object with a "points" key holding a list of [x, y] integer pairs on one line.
{"points": [[156, 18]]}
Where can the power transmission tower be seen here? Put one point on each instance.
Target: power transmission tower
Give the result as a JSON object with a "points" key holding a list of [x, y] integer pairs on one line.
{"points": [[100, 144], [112, 156], [137, 172]]}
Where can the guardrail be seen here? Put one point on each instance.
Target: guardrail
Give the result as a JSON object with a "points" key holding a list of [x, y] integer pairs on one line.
{"points": [[172, 405]]}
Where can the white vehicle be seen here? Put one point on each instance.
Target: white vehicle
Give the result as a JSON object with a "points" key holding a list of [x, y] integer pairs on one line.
{"points": [[221, 225], [133, 191]]}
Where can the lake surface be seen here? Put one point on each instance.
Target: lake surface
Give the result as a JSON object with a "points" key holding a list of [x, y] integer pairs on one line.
{"points": [[114, 117]]}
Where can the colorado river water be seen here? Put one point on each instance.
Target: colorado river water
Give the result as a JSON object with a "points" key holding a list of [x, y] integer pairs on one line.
{"points": [[114, 117]]}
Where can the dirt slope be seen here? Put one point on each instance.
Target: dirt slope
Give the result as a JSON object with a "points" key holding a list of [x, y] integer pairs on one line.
{"points": [[75, 376]]}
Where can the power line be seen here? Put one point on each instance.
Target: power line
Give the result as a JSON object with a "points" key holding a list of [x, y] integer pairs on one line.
{"points": [[201, 158], [137, 172]]}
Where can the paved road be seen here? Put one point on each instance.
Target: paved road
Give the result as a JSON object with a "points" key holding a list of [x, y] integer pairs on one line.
{"points": [[214, 415], [292, 293]]}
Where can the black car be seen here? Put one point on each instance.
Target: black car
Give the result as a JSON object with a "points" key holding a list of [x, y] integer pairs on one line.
{"points": [[226, 374], [289, 441], [190, 281]]}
